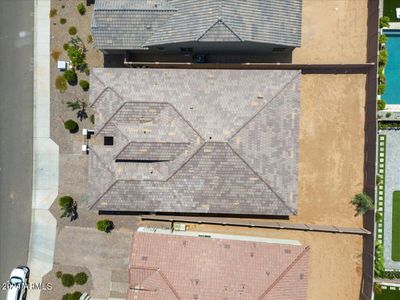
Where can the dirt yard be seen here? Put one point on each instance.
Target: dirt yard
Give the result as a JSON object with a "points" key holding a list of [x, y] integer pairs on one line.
{"points": [[335, 260], [331, 158], [333, 31]]}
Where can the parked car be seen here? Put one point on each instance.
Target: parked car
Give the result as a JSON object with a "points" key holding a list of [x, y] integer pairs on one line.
{"points": [[17, 285]]}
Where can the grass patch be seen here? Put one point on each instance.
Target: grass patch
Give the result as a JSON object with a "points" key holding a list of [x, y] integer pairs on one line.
{"points": [[389, 9], [387, 294], [396, 226]]}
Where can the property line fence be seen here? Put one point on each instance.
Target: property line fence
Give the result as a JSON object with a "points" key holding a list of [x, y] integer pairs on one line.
{"points": [[258, 224]]}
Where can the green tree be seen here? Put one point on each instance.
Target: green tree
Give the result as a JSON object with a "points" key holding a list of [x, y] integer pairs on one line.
{"points": [[363, 203], [77, 56], [382, 39]]}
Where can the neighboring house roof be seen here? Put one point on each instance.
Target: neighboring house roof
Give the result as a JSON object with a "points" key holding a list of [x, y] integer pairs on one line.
{"points": [[200, 141], [137, 24], [170, 266]]}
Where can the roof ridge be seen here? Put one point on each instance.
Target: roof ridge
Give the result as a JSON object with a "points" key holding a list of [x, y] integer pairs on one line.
{"points": [[286, 271], [109, 119], [93, 74], [265, 105], [262, 179], [102, 195]]}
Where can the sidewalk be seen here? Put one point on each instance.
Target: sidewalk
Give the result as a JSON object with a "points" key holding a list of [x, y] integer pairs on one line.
{"points": [[45, 156]]}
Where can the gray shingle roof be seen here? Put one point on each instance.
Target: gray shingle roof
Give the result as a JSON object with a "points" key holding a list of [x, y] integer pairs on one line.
{"points": [[136, 24], [211, 141]]}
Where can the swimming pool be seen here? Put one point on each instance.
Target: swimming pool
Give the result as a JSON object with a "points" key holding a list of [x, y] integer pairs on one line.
{"points": [[392, 70]]}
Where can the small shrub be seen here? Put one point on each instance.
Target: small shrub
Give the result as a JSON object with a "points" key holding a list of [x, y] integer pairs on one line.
{"points": [[63, 6], [72, 30], [71, 76], [84, 85], [389, 125], [379, 263], [61, 84], [91, 119], [383, 55], [87, 71], [58, 274], [75, 296], [382, 39], [65, 202], [105, 225], [89, 39], [71, 125], [53, 12], [65, 297], [81, 278], [63, 21], [55, 54], [363, 203], [377, 289], [81, 8], [74, 105], [384, 21], [378, 217], [388, 115], [381, 88], [67, 280], [381, 104], [379, 179], [66, 46]]}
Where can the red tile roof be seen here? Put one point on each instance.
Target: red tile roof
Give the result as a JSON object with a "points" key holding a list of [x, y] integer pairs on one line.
{"points": [[165, 266]]}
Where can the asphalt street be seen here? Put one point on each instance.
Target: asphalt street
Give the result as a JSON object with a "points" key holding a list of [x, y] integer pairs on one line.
{"points": [[16, 119]]}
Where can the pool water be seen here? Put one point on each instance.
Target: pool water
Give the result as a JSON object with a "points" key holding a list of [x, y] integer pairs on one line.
{"points": [[392, 69]]}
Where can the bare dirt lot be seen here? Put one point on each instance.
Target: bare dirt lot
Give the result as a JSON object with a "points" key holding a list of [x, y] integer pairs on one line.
{"points": [[333, 31], [335, 260], [331, 158]]}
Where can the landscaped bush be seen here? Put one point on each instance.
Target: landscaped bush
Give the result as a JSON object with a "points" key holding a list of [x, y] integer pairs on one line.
{"points": [[67, 280], [55, 54], [74, 296], [63, 20], [105, 225], [72, 30], [84, 85], [389, 125], [381, 88], [77, 57], [58, 274], [65, 202], [381, 104], [363, 203], [89, 39], [74, 105], [71, 125], [379, 263], [388, 115], [382, 39], [379, 179], [91, 118], [378, 217], [383, 55], [87, 71], [66, 46], [53, 12], [61, 84], [81, 8], [384, 21], [389, 274], [71, 76], [81, 278]]}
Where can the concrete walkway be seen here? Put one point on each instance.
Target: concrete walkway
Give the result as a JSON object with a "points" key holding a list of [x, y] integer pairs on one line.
{"points": [[392, 183], [45, 156]]}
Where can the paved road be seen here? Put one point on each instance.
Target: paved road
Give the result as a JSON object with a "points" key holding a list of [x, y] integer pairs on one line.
{"points": [[16, 113]]}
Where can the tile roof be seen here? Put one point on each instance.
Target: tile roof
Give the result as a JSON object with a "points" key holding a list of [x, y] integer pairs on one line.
{"points": [[137, 24], [167, 266], [200, 141]]}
